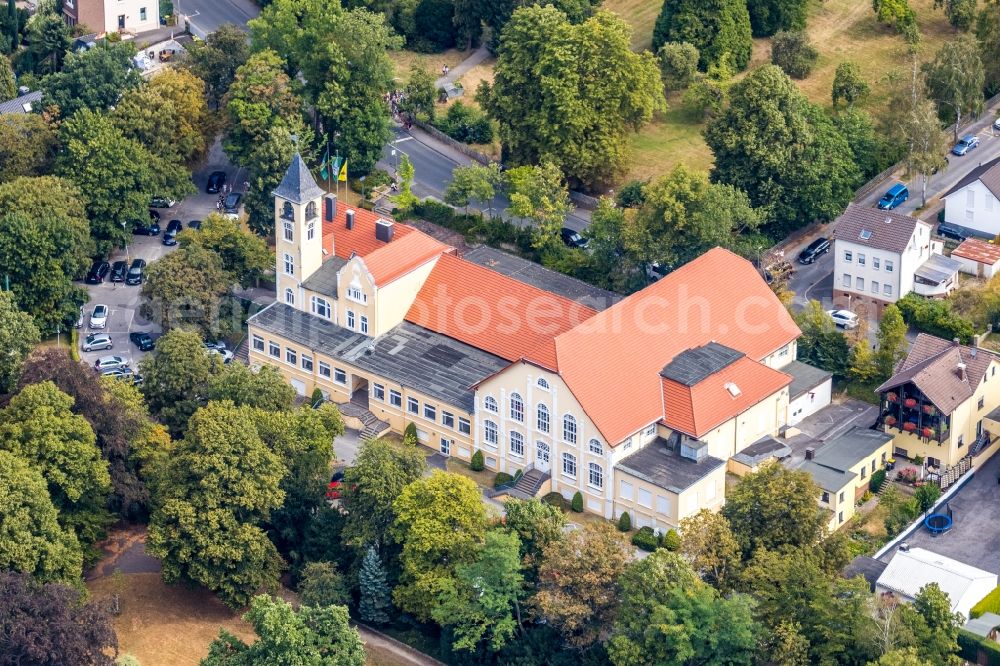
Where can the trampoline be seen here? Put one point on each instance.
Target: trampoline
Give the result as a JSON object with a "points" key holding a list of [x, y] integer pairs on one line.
{"points": [[937, 523]]}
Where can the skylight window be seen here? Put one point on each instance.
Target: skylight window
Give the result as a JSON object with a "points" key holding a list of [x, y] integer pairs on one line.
{"points": [[733, 389], [865, 234]]}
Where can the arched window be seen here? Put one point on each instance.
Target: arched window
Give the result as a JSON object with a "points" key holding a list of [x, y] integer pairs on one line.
{"points": [[543, 384], [596, 448], [490, 404], [310, 210], [569, 464], [596, 475], [289, 297], [490, 433], [287, 211], [516, 444], [543, 418], [288, 233], [516, 407], [321, 307], [569, 429]]}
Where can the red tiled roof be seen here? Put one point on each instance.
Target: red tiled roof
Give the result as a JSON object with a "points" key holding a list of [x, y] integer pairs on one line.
{"points": [[491, 311], [979, 251], [339, 240], [613, 360], [696, 410], [402, 255]]}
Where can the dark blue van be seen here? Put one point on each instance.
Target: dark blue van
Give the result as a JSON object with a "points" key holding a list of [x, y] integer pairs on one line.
{"points": [[896, 195]]}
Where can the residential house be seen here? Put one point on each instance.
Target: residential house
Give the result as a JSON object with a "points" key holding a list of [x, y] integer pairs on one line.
{"points": [[809, 391], [880, 256], [985, 626], [972, 203], [911, 569], [23, 104], [977, 257], [636, 403], [842, 469], [110, 16], [943, 402]]}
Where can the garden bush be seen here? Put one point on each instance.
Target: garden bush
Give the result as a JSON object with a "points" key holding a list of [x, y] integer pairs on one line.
{"points": [[317, 397], [645, 538], [878, 478], [672, 541], [410, 433], [792, 52], [466, 124], [988, 604], [518, 474], [502, 479], [935, 317], [577, 503], [478, 462], [970, 646], [556, 499], [624, 522]]}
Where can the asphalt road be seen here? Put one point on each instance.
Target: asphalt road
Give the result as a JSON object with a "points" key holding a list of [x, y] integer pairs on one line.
{"points": [[208, 15]]}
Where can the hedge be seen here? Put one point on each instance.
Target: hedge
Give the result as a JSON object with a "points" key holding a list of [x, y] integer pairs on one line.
{"points": [[935, 317], [502, 479], [878, 478], [988, 604], [646, 539], [556, 499], [970, 645]]}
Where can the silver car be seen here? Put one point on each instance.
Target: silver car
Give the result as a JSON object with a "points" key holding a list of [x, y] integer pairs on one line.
{"points": [[844, 318], [110, 363], [96, 342]]}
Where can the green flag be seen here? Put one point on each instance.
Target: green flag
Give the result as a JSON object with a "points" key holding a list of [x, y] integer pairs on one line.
{"points": [[325, 165]]}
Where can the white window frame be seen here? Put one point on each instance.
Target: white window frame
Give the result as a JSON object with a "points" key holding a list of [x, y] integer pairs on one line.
{"points": [[447, 419], [307, 362], [395, 398], [291, 356], [543, 424], [516, 444], [355, 294], [570, 429], [596, 447], [491, 434], [568, 461], [320, 307], [543, 384], [430, 412], [274, 350], [595, 471], [310, 230], [464, 425], [288, 231], [289, 296], [412, 405], [324, 369], [350, 319], [378, 392], [289, 264], [848, 256], [516, 407], [340, 376], [888, 265], [364, 324], [258, 343], [490, 404]]}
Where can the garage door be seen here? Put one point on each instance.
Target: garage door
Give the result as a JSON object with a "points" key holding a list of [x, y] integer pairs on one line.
{"points": [[299, 386]]}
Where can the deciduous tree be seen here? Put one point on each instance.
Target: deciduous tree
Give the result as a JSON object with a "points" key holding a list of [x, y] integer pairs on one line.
{"points": [[848, 85], [322, 585], [18, 336], [678, 64], [27, 145], [264, 388], [927, 145], [186, 288], [935, 627], [176, 378], [955, 80], [420, 94], [769, 16], [537, 525], [48, 42], [988, 35], [794, 53], [216, 60], [898, 15], [711, 548], [538, 193], [961, 13], [245, 256], [891, 338], [92, 79], [474, 182], [715, 27]]}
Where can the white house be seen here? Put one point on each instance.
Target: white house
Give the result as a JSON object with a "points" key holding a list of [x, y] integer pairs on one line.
{"points": [[878, 257], [106, 16], [913, 568], [978, 258], [972, 203]]}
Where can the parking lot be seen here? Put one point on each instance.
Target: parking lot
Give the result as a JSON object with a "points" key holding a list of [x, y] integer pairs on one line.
{"points": [[124, 301]]}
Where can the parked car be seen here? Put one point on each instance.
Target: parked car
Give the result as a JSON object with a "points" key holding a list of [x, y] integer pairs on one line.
{"points": [[844, 318], [125, 374], [162, 202], [951, 231], [334, 488], [216, 180], [224, 354], [814, 250], [142, 340], [99, 317], [965, 144], [118, 271], [154, 215], [152, 228], [135, 272], [218, 344], [231, 205], [169, 240], [896, 195], [194, 224], [79, 320], [174, 227], [96, 342], [98, 271], [996, 124], [656, 271], [572, 238], [106, 363]]}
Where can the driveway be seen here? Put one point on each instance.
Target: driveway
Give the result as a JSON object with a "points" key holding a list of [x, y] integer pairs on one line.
{"points": [[832, 421], [206, 16]]}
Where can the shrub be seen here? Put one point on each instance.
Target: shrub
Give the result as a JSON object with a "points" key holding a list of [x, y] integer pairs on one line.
{"points": [[988, 604], [935, 317], [792, 52], [410, 433], [478, 461], [624, 522], [672, 541], [502, 479], [678, 64], [466, 124], [917, 460], [631, 194], [577, 503], [878, 478], [317, 397], [518, 474], [926, 496], [972, 645], [556, 499], [645, 538]]}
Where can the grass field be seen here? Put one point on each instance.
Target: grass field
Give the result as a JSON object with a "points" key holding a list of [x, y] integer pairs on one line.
{"points": [[432, 62]]}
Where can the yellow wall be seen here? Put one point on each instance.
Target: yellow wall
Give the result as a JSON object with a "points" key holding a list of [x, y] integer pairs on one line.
{"points": [[355, 273], [841, 510], [764, 418], [307, 255], [708, 493], [392, 301], [782, 357]]}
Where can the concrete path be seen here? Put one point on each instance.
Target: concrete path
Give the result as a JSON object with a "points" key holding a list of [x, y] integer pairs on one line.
{"points": [[456, 73]]}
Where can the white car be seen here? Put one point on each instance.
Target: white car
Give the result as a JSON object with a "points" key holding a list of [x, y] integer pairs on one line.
{"points": [[96, 341], [844, 318], [106, 363], [99, 317], [996, 124], [226, 355]]}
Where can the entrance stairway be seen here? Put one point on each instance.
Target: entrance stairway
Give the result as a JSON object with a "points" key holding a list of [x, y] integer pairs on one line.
{"points": [[242, 352], [373, 427], [529, 484]]}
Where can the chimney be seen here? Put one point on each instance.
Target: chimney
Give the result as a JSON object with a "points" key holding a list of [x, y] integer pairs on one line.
{"points": [[349, 215], [383, 230], [330, 207], [810, 453], [961, 371]]}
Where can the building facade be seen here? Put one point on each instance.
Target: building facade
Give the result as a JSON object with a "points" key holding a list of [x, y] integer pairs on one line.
{"points": [[971, 203], [107, 16]]}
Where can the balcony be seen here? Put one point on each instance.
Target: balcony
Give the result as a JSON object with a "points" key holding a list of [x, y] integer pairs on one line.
{"points": [[909, 412]]}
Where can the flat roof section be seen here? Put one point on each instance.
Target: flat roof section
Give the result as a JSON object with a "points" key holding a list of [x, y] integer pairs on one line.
{"points": [[763, 450], [693, 365], [847, 450], [657, 464], [805, 378]]}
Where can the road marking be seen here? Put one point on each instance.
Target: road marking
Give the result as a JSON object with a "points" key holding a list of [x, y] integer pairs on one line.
{"points": [[405, 138]]}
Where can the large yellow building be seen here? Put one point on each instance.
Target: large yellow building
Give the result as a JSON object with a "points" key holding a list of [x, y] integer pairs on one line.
{"points": [[636, 403]]}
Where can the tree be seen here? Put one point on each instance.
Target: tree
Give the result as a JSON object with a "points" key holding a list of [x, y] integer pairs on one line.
{"points": [[821, 343], [767, 17], [8, 86], [441, 522], [709, 545], [988, 35], [891, 339], [286, 636], [50, 623], [44, 245], [903, 657], [18, 335], [33, 541], [419, 94], [848, 85], [774, 507], [220, 484], [406, 199], [678, 64], [898, 15], [374, 590], [570, 94], [245, 256], [27, 145], [474, 182], [706, 96], [216, 60], [322, 585], [264, 389], [538, 194], [484, 604], [537, 525], [39, 426], [770, 142], [92, 79], [186, 289], [794, 53], [176, 378], [927, 145], [935, 626], [961, 13], [372, 484], [926, 496], [863, 369], [48, 39], [668, 616], [577, 581], [873, 151], [955, 80], [715, 27]]}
